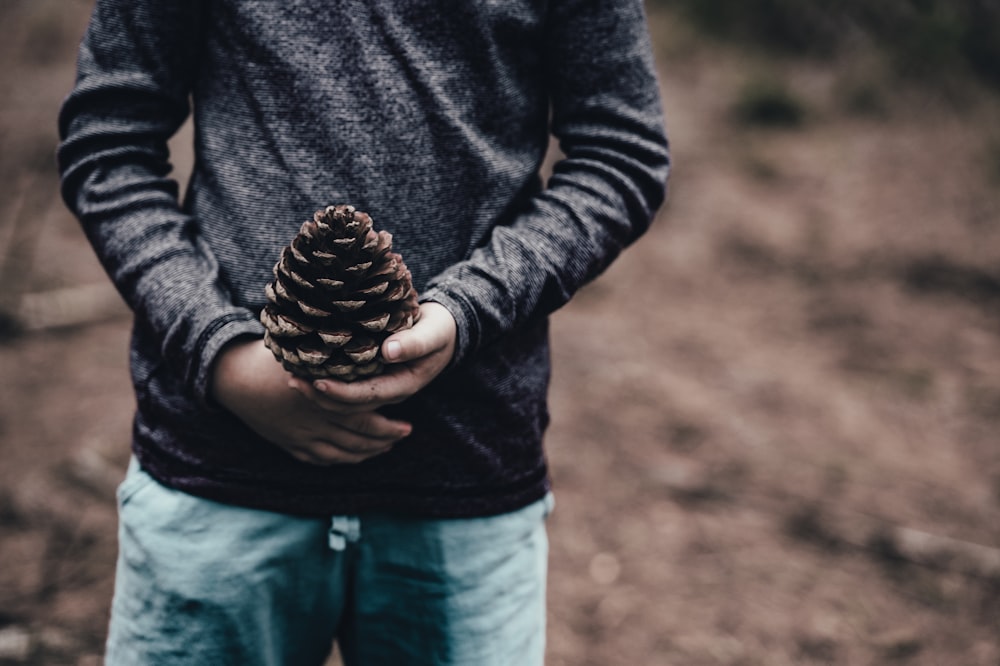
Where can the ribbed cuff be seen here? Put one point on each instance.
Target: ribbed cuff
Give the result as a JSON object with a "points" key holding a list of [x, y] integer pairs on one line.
{"points": [[466, 323], [217, 335]]}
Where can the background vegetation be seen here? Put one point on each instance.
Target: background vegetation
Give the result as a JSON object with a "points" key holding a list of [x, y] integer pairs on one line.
{"points": [[923, 37]]}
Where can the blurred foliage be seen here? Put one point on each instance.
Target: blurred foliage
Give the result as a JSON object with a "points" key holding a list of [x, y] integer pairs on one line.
{"points": [[768, 104], [925, 37], [865, 99]]}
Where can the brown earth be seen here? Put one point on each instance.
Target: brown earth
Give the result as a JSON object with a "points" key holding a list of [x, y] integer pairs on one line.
{"points": [[775, 419]]}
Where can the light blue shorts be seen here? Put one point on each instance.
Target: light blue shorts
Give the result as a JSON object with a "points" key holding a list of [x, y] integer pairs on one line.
{"points": [[202, 583]]}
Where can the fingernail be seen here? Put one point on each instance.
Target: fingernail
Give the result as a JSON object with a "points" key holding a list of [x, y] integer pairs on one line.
{"points": [[322, 387], [392, 350]]}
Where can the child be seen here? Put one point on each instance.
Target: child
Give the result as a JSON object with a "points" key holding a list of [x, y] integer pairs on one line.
{"points": [[263, 517]]}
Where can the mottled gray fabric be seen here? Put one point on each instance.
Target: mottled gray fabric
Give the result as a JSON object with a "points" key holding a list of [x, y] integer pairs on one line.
{"points": [[432, 116]]}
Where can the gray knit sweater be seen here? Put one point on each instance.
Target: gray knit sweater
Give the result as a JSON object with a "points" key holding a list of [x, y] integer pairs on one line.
{"points": [[433, 116]]}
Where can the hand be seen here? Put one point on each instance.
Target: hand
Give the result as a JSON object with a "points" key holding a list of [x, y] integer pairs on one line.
{"points": [[416, 356], [248, 382]]}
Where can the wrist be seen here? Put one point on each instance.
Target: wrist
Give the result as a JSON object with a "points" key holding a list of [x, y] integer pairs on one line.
{"points": [[229, 368]]}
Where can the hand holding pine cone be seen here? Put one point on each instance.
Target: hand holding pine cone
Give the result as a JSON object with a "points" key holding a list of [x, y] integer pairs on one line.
{"points": [[338, 293]]}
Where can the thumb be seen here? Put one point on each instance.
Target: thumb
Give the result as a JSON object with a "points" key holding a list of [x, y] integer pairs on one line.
{"points": [[434, 331]]}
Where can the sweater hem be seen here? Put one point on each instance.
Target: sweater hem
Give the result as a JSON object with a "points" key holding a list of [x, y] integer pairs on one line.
{"points": [[458, 502]]}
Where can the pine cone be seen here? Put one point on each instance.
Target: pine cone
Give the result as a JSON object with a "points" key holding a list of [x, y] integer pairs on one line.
{"points": [[338, 293]]}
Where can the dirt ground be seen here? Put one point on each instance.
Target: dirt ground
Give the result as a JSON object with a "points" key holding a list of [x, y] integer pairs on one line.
{"points": [[776, 419]]}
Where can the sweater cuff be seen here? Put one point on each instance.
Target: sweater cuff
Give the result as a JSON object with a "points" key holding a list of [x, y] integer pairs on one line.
{"points": [[218, 334], [466, 322]]}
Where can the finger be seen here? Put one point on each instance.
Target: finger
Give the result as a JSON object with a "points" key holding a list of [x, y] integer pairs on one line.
{"points": [[349, 439], [358, 432], [331, 453], [346, 448], [326, 453], [430, 334], [392, 386], [328, 398], [307, 456]]}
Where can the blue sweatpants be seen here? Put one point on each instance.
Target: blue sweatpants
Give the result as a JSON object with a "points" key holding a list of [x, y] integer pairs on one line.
{"points": [[200, 583]]}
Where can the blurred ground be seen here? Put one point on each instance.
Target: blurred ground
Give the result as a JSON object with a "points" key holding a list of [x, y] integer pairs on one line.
{"points": [[775, 420]]}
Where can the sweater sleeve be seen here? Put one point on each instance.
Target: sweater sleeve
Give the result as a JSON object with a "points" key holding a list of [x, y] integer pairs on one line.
{"points": [[607, 116], [136, 68]]}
